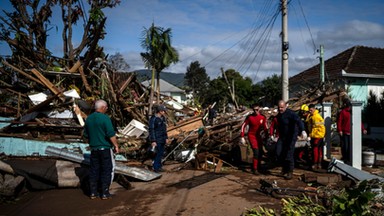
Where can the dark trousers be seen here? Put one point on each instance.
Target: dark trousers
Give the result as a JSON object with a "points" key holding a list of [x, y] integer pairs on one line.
{"points": [[157, 165], [101, 170], [345, 142], [285, 152]]}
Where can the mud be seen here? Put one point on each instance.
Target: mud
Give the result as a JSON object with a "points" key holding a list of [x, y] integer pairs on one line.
{"points": [[183, 193]]}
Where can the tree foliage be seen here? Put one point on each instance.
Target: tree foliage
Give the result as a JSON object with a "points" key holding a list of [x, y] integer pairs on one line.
{"points": [[197, 79], [159, 54], [218, 89], [268, 92], [25, 30]]}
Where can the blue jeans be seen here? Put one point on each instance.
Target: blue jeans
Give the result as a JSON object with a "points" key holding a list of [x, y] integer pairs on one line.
{"points": [[345, 142], [101, 170], [285, 152], [157, 165]]}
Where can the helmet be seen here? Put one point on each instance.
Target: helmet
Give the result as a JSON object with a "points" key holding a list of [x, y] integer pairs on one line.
{"points": [[304, 107]]}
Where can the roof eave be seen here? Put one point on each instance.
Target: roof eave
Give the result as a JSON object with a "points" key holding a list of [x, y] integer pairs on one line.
{"points": [[375, 76]]}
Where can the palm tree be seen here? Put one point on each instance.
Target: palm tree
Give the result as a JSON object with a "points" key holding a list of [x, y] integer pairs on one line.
{"points": [[159, 55]]}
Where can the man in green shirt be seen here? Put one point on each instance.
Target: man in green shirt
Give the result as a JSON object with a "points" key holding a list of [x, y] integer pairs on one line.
{"points": [[99, 131]]}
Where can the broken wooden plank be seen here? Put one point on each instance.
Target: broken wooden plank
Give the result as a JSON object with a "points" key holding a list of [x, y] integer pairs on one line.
{"points": [[126, 83], [48, 84], [84, 79], [185, 126], [42, 104], [22, 72], [75, 67]]}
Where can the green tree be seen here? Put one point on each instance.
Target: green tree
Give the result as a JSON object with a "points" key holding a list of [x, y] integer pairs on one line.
{"points": [[197, 80], [219, 89], [242, 86], [159, 55], [217, 92], [270, 90]]}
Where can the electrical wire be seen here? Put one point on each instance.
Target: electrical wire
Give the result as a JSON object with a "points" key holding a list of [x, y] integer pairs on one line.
{"points": [[306, 23]]}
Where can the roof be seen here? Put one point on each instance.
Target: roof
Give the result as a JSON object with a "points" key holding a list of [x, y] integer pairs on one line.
{"points": [[164, 86], [356, 61]]}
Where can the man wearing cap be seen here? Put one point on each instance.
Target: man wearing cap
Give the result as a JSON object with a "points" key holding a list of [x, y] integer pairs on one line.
{"points": [[158, 135]]}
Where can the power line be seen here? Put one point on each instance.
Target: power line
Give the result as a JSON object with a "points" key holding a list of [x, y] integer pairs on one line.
{"points": [[306, 23]]}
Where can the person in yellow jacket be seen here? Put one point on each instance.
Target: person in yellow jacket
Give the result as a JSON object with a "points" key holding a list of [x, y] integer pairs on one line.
{"points": [[316, 131]]}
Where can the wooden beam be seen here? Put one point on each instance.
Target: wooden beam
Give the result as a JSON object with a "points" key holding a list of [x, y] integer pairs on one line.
{"points": [[126, 83], [48, 84], [42, 104], [84, 79], [16, 92], [22, 72], [75, 67]]}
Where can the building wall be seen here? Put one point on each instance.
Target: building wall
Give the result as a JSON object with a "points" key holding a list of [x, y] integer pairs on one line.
{"points": [[359, 88]]}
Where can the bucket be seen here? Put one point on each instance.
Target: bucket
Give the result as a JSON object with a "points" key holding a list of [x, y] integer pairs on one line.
{"points": [[368, 158]]}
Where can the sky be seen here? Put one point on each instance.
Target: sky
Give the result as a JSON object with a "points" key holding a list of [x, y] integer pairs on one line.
{"points": [[238, 34]]}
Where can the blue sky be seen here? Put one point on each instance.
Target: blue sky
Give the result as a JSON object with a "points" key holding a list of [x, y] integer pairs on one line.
{"points": [[235, 33]]}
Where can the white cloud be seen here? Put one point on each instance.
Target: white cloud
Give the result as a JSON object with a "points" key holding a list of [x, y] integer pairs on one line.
{"points": [[217, 33]]}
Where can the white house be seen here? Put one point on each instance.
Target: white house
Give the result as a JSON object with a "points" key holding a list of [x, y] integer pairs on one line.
{"points": [[169, 90]]}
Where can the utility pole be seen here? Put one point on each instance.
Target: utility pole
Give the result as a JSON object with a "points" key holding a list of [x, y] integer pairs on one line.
{"points": [[322, 64], [285, 47]]}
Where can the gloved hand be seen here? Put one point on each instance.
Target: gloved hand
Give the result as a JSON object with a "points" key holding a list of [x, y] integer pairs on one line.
{"points": [[304, 135], [273, 138], [309, 139], [242, 141]]}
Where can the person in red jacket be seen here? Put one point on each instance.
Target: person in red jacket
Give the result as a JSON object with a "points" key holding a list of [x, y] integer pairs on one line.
{"points": [[344, 129], [257, 123]]}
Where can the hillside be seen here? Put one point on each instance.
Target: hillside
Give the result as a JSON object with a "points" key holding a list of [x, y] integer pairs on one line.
{"points": [[176, 79]]}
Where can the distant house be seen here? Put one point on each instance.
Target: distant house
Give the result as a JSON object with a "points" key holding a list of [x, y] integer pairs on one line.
{"points": [[359, 69], [168, 89]]}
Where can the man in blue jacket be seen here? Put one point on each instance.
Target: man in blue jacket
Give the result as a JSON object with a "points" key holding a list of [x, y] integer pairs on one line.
{"points": [[289, 127], [158, 135], [99, 131]]}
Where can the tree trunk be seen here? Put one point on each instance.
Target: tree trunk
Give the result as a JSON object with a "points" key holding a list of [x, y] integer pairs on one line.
{"points": [[158, 87], [151, 94]]}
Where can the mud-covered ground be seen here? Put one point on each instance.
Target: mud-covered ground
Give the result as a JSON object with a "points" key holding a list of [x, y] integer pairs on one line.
{"points": [[184, 192]]}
